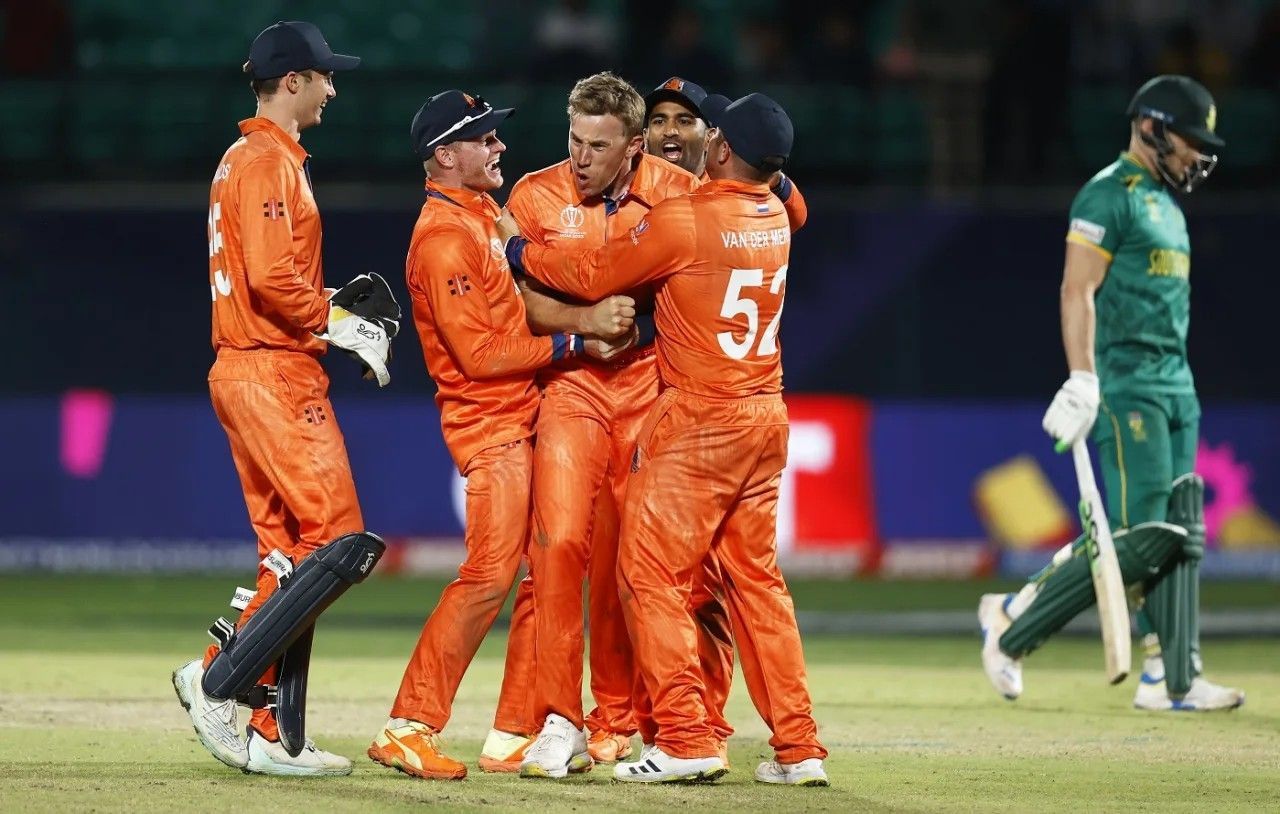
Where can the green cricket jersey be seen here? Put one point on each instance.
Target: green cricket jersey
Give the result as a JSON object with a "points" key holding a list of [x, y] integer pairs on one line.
{"points": [[1143, 305]]}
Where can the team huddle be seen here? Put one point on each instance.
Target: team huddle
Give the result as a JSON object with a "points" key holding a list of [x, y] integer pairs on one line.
{"points": [[609, 383], [608, 371]]}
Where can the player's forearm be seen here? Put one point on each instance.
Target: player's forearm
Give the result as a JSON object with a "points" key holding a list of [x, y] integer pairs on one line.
{"points": [[280, 287], [547, 315], [496, 355], [1078, 326], [576, 274]]}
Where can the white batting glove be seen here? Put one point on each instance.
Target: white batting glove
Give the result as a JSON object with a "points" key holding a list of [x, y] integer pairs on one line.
{"points": [[1073, 411]]}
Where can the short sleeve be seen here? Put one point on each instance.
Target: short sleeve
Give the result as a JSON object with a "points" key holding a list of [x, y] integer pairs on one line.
{"points": [[1099, 215]]}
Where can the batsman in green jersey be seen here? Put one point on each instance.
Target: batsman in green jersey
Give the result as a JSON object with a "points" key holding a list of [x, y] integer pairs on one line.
{"points": [[1125, 307]]}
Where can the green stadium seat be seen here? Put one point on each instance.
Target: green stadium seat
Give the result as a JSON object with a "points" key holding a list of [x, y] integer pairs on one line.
{"points": [[898, 136], [34, 114]]}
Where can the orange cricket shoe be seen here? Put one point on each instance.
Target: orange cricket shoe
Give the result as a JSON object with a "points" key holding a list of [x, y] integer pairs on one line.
{"points": [[503, 751], [608, 747], [414, 748]]}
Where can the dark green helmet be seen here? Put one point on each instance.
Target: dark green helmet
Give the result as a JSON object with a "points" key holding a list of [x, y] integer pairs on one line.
{"points": [[1184, 106]]}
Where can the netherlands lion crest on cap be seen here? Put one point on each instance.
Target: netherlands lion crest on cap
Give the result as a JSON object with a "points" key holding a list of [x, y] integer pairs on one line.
{"points": [[469, 99], [674, 83]]}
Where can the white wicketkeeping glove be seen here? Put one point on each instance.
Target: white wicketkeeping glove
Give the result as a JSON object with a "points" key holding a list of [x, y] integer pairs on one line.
{"points": [[365, 340], [1074, 409]]}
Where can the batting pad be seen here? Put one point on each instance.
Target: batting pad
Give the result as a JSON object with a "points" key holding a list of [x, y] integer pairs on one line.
{"points": [[290, 611]]}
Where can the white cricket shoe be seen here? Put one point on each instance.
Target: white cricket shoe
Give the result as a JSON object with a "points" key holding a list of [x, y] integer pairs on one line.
{"points": [[805, 773], [1005, 673], [560, 748], [656, 766], [1204, 695], [266, 757], [216, 722]]}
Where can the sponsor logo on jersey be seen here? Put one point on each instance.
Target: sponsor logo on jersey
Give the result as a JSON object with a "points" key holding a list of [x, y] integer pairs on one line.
{"points": [[640, 228], [459, 285], [1088, 230], [1169, 263], [272, 209]]}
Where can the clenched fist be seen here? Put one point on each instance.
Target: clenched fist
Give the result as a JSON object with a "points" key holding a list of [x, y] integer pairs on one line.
{"points": [[609, 350], [611, 317]]}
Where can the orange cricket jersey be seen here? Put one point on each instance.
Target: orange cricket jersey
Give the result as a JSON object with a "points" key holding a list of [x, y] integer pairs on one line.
{"points": [[718, 257], [795, 204], [265, 273], [551, 212], [471, 321]]}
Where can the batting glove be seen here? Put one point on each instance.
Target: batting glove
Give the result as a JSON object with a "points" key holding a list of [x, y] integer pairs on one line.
{"points": [[1073, 411]]}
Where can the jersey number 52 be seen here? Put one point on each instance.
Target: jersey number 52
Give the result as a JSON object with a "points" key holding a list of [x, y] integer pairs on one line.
{"points": [[736, 304]]}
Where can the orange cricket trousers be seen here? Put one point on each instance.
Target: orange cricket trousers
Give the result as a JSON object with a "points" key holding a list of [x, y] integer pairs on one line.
{"points": [[715, 654], [517, 708], [292, 462], [498, 485], [586, 433], [706, 480]]}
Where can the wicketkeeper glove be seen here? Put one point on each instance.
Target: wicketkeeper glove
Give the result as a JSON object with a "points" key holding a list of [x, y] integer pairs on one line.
{"points": [[1074, 409], [363, 318], [369, 297]]}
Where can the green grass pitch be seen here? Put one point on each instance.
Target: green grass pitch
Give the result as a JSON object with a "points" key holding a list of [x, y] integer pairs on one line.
{"points": [[89, 722]]}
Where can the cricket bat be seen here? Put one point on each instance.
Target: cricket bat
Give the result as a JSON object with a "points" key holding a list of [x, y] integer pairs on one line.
{"points": [[1113, 606]]}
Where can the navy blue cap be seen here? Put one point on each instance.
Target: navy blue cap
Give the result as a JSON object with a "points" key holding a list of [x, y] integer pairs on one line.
{"points": [[452, 116], [293, 46], [679, 90], [713, 107], [758, 130]]}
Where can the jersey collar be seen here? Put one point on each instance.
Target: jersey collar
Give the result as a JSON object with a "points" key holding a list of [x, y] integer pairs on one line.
{"points": [[644, 178], [749, 188], [478, 202], [261, 124], [1133, 161]]}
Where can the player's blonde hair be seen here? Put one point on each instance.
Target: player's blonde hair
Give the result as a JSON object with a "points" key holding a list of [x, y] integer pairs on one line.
{"points": [[607, 94]]}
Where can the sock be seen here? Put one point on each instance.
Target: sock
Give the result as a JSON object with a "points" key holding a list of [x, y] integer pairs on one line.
{"points": [[1017, 603]]}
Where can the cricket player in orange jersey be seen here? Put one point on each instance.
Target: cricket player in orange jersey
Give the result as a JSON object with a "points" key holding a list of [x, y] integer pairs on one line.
{"points": [[587, 424], [478, 348], [267, 386], [708, 462], [676, 129]]}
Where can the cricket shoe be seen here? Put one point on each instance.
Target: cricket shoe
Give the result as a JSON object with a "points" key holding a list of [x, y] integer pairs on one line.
{"points": [[269, 757], [1004, 672], [1204, 696], [503, 751], [722, 750], [608, 747], [216, 722], [559, 749], [805, 773], [414, 748], [656, 766]]}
